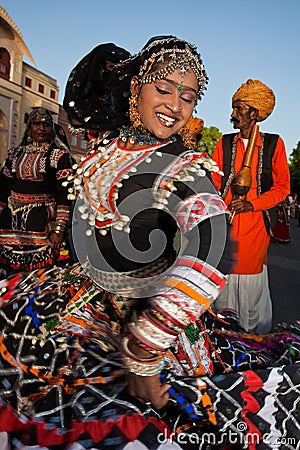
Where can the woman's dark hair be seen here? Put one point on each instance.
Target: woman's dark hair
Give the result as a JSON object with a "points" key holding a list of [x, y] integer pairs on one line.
{"points": [[88, 100]]}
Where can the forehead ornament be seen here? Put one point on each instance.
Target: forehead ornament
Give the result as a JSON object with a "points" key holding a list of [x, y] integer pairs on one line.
{"points": [[179, 89], [170, 59]]}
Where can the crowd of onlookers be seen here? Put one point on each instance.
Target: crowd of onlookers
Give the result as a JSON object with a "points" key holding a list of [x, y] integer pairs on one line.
{"points": [[293, 206], [286, 210]]}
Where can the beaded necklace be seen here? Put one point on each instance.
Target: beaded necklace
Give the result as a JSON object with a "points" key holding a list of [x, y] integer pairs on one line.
{"points": [[37, 147], [141, 136]]}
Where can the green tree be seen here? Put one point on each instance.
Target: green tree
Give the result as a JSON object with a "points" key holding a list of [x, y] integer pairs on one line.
{"points": [[294, 165], [210, 137]]}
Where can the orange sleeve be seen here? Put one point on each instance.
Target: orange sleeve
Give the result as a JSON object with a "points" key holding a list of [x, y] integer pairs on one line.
{"points": [[218, 158], [281, 181]]}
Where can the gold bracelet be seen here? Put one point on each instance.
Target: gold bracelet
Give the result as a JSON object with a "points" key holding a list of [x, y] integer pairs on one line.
{"points": [[143, 370], [143, 367], [60, 226]]}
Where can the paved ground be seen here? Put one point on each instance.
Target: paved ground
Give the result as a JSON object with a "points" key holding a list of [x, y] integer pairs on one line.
{"points": [[284, 276]]}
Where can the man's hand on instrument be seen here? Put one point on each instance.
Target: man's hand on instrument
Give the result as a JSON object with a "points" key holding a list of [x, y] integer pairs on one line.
{"points": [[238, 206]]}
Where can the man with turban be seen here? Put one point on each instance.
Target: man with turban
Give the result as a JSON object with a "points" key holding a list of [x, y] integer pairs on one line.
{"points": [[247, 291]]}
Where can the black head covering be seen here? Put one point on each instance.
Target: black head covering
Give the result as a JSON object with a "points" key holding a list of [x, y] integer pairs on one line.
{"points": [[58, 136], [103, 101], [61, 134], [38, 113], [87, 101]]}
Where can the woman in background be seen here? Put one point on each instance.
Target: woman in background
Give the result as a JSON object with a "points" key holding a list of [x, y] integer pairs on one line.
{"points": [[281, 231], [34, 208]]}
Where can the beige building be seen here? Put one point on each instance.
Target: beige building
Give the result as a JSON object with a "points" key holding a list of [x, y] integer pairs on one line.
{"points": [[23, 86]]}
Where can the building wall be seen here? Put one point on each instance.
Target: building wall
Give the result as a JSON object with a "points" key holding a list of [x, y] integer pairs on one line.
{"points": [[10, 106], [11, 94], [31, 96], [23, 88]]}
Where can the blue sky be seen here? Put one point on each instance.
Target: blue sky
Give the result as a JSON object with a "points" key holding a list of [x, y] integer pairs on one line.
{"points": [[237, 39]]}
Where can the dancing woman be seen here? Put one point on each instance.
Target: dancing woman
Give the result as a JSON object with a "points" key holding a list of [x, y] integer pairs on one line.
{"points": [[34, 208], [117, 352]]}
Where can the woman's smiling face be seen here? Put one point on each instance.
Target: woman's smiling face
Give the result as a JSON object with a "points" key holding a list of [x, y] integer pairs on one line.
{"points": [[166, 105]]}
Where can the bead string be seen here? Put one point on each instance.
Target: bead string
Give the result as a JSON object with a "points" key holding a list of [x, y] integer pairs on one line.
{"points": [[211, 345], [141, 136], [75, 302], [18, 364], [37, 147]]}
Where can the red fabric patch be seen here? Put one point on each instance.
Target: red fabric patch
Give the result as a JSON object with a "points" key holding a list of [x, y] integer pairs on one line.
{"points": [[130, 426], [252, 384]]}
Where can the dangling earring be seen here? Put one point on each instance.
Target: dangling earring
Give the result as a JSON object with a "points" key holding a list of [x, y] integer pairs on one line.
{"points": [[29, 138], [134, 115], [186, 136]]}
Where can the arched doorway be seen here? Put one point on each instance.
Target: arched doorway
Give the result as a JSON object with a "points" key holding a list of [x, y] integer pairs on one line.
{"points": [[4, 63], [3, 136]]}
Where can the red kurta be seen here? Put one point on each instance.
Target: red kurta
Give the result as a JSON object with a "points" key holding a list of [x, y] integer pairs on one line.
{"points": [[248, 229]]}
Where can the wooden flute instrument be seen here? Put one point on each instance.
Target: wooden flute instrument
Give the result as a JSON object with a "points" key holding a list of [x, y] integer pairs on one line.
{"points": [[242, 181]]}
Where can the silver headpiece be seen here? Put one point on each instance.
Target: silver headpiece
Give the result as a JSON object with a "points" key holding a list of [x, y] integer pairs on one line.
{"points": [[161, 56]]}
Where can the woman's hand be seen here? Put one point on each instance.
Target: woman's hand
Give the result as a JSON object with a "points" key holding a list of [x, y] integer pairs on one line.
{"points": [[56, 240], [148, 389]]}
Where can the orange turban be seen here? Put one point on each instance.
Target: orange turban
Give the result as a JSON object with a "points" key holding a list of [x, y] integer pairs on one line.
{"points": [[189, 132], [258, 95], [195, 125]]}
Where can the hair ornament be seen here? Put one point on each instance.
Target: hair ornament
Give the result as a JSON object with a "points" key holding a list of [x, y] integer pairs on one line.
{"points": [[161, 56]]}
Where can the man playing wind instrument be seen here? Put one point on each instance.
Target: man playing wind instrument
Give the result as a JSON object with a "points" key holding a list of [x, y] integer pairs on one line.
{"points": [[256, 179]]}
